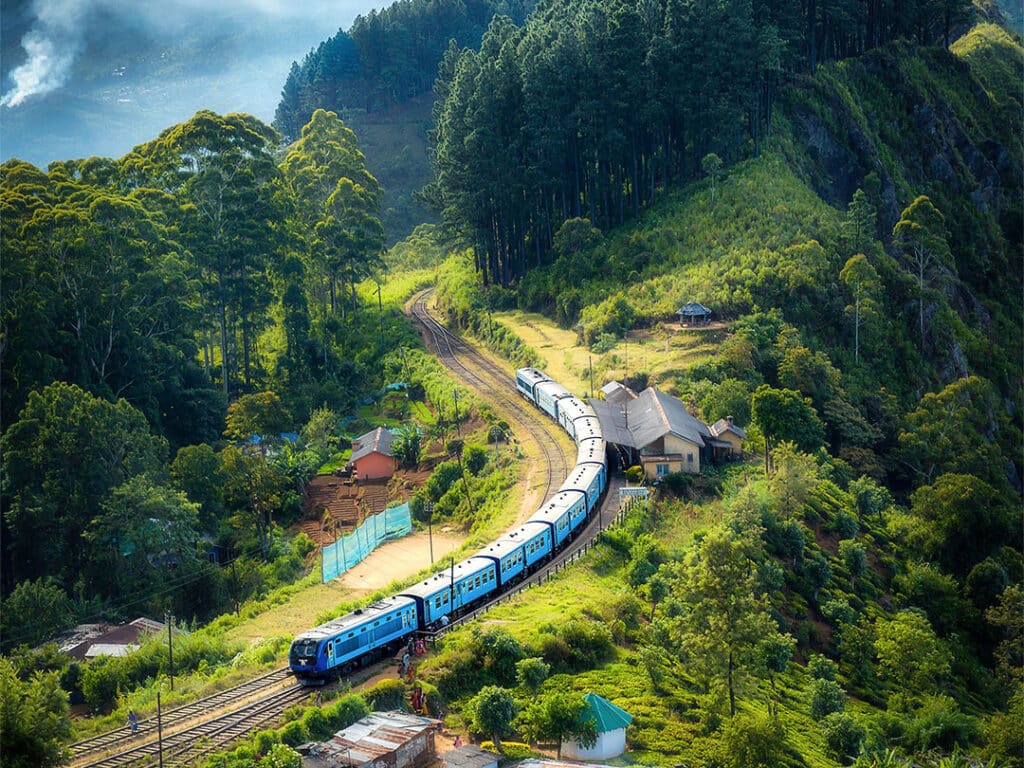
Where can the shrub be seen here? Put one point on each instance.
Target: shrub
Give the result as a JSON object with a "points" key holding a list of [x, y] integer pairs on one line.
{"points": [[294, 733], [821, 667], [102, 680], [752, 741], [264, 741], [475, 458], [531, 673], [589, 643], [843, 736], [939, 724], [345, 711], [387, 694], [316, 724], [827, 696], [512, 750], [635, 474]]}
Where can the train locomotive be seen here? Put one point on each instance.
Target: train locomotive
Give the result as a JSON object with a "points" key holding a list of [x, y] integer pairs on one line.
{"points": [[368, 634]]}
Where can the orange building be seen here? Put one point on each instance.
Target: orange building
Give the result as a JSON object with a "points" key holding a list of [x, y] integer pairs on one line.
{"points": [[371, 455]]}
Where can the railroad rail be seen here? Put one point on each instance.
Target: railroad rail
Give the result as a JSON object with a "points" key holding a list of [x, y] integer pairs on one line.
{"points": [[174, 718], [195, 730], [186, 746], [485, 375]]}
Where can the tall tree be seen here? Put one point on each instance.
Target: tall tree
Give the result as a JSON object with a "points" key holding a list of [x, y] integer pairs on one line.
{"points": [[921, 232], [491, 712], [784, 415], [724, 622], [338, 204], [61, 459], [557, 717], [862, 281], [910, 656], [145, 534], [222, 171], [33, 719]]}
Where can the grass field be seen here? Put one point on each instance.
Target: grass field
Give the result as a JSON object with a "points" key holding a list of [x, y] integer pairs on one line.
{"points": [[662, 352]]}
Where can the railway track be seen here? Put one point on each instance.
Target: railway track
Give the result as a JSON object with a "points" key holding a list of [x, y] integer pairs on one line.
{"points": [[188, 745], [172, 719], [195, 730], [484, 375]]}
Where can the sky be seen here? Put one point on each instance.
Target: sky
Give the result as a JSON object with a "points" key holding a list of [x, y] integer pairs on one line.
{"points": [[81, 78]]}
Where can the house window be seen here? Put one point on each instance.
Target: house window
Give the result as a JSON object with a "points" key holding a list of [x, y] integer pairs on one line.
{"points": [[689, 458], [661, 469]]}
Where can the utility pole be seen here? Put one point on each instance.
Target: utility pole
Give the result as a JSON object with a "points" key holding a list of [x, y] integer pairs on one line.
{"points": [[159, 732], [429, 507], [170, 648], [455, 397]]}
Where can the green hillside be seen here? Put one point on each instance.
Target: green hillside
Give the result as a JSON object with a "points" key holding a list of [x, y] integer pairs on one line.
{"points": [[898, 526]]}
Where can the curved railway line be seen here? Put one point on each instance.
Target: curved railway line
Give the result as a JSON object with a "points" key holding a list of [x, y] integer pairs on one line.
{"points": [[485, 375], [195, 730]]}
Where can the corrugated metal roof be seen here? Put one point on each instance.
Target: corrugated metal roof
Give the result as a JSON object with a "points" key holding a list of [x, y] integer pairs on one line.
{"points": [[613, 422], [651, 416], [377, 441], [373, 737]]}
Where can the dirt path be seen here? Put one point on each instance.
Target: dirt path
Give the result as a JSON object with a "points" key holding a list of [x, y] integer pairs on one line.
{"points": [[399, 559], [393, 560]]}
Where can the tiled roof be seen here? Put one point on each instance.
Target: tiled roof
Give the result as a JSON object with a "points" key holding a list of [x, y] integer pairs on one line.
{"points": [[377, 441]]}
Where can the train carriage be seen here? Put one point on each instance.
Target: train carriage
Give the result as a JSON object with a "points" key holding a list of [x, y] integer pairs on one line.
{"points": [[563, 512], [351, 640], [571, 410], [548, 395], [527, 380], [586, 479], [451, 591], [509, 557], [518, 551], [587, 427]]}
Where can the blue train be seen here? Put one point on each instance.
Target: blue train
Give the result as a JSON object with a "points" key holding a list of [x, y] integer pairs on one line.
{"points": [[378, 630]]}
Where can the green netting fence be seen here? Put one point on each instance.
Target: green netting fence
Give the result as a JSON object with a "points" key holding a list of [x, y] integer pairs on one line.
{"points": [[349, 550]]}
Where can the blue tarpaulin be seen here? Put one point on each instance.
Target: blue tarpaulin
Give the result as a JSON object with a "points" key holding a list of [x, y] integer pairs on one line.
{"points": [[352, 549]]}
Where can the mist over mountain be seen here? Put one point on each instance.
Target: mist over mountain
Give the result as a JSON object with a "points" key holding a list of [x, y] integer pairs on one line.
{"points": [[97, 77]]}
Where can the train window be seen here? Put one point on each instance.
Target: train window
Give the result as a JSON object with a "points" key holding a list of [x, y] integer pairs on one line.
{"points": [[477, 585], [376, 623], [437, 601], [351, 634]]}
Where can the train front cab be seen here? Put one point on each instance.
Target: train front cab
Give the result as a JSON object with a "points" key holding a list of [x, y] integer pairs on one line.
{"points": [[352, 640], [526, 381]]}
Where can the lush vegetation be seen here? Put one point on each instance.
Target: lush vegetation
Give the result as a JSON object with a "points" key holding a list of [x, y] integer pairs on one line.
{"points": [[854, 597], [597, 109], [386, 57]]}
